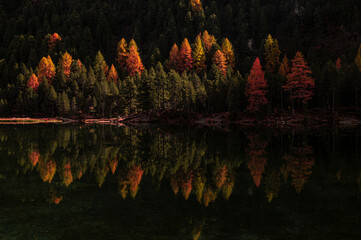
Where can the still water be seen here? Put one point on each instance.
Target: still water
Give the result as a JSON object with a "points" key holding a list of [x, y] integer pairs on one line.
{"points": [[110, 182]]}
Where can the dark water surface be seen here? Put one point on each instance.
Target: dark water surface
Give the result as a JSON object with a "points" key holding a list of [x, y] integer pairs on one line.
{"points": [[109, 182]]}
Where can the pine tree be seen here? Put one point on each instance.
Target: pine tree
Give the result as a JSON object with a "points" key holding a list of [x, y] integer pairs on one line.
{"points": [[199, 56], [256, 87], [122, 53], [299, 82], [228, 52], [33, 82], [220, 61], [134, 63], [272, 53], [100, 66], [185, 59], [175, 85]]}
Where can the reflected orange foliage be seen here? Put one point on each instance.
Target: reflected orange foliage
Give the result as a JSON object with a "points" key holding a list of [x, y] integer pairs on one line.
{"points": [[186, 184], [338, 64], [228, 188], [34, 157], [221, 176], [208, 196], [257, 160], [55, 199], [174, 184], [47, 170], [272, 185], [196, 5], [300, 162], [135, 174], [113, 164]]}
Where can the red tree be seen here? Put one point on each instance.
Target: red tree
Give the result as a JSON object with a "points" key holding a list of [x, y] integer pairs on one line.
{"points": [[186, 184], [220, 61], [338, 64], [34, 157], [134, 63], [53, 40], [135, 174], [221, 177], [33, 82], [256, 87], [185, 59], [173, 58], [299, 83], [256, 152]]}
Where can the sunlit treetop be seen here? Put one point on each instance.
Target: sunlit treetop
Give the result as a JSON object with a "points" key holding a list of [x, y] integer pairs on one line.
{"points": [[196, 5], [208, 40]]}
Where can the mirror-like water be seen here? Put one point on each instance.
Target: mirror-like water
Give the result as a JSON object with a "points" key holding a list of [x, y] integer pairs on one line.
{"points": [[109, 182]]}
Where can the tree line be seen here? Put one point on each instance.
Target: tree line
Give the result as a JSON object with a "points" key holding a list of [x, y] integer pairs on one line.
{"points": [[208, 75]]}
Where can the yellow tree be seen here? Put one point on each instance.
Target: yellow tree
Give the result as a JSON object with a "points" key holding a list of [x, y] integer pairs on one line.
{"points": [[122, 53], [199, 56], [46, 69], [358, 58], [284, 67], [272, 53], [228, 52], [65, 63]]}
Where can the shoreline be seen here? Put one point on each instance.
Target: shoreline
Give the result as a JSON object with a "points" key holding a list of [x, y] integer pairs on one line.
{"points": [[284, 119]]}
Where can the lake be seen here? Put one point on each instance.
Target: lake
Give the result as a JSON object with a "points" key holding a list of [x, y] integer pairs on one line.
{"points": [[154, 182]]}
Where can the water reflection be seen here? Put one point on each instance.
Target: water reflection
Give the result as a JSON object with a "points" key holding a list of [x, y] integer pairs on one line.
{"points": [[200, 171], [202, 163]]}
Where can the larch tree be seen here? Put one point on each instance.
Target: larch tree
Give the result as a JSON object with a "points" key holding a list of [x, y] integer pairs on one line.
{"points": [[122, 53], [112, 74], [272, 53], [134, 62], [228, 52], [208, 40], [284, 67], [199, 56], [173, 58], [338, 64], [256, 88], [33, 82], [196, 6], [53, 40], [299, 82], [358, 58], [220, 61], [65, 63], [185, 59], [46, 69]]}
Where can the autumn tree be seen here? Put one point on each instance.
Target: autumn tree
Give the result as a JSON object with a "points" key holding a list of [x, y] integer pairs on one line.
{"points": [[199, 56], [256, 87], [134, 63], [65, 63], [228, 52], [122, 53], [173, 58], [220, 61], [46, 69], [196, 5], [284, 67], [338, 64], [208, 40], [53, 40], [112, 75], [299, 82], [272, 53], [185, 59], [33, 82]]}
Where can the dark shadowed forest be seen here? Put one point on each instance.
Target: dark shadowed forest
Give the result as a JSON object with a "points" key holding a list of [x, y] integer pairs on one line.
{"points": [[120, 57]]}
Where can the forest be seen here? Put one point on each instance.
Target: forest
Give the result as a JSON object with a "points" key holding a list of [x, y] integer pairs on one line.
{"points": [[120, 57]]}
